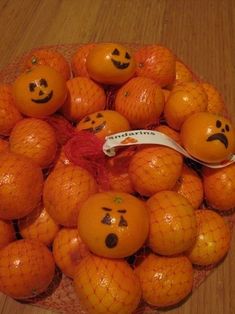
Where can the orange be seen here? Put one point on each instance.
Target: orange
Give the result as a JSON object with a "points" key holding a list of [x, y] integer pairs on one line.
{"points": [[27, 268], [21, 183], [184, 100], [38, 225], [84, 98], [39, 91], [104, 123], [113, 224], [4, 145], [78, 62], [165, 281], [156, 62], [172, 223], [61, 160], [49, 57], [182, 74], [190, 186], [219, 187], [141, 101], [110, 63], [68, 250], [65, 190], [7, 233], [165, 129], [36, 139], [9, 114], [106, 286], [208, 137], [215, 101], [213, 238], [118, 176], [153, 169]]}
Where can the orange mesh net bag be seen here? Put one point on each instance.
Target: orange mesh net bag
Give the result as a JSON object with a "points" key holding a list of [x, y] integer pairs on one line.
{"points": [[124, 229]]}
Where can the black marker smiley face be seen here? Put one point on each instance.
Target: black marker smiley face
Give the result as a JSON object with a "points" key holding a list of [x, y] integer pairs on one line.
{"points": [[40, 90], [94, 123], [220, 136], [111, 239], [120, 61]]}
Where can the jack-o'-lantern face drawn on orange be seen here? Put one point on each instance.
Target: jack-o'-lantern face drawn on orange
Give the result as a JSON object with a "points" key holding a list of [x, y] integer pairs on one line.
{"points": [[94, 122], [208, 137], [104, 123], [110, 63], [111, 239], [120, 62], [41, 91], [113, 224]]}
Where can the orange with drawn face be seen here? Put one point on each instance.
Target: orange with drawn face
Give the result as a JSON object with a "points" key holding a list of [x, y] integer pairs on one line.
{"points": [[113, 224], [110, 63], [208, 137], [39, 91], [104, 123]]}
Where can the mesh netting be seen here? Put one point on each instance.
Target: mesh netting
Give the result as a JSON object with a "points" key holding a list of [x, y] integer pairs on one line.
{"points": [[60, 296]]}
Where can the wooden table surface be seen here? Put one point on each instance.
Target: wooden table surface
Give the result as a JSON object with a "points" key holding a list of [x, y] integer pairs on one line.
{"points": [[200, 32]]}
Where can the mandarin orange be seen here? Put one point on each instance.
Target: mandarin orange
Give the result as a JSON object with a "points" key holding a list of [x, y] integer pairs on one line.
{"points": [[9, 114], [185, 99], [165, 281], [141, 101], [173, 227], [208, 137], [153, 169], [219, 187], [65, 190], [110, 63], [38, 225], [36, 139], [104, 123], [21, 184], [78, 62], [49, 57], [84, 98], [165, 129], [27, 268], [68, 250], [106, 286], [216, 102], [113, 224], [190, 186], [213, 238], [39, 91], [156, 62]]}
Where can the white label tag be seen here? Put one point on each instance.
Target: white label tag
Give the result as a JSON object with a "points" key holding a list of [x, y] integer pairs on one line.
{"points": [[138, 137]]}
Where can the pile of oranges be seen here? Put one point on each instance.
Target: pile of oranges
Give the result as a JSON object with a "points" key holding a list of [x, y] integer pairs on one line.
{"points": [[129, 229]]}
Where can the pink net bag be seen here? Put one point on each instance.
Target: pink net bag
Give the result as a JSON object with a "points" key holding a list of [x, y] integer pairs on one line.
{"points": [[85, 150]]}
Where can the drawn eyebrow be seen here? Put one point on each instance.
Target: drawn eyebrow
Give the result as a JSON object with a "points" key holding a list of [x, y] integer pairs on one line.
{"points": [[123, 211], [107, 209]]}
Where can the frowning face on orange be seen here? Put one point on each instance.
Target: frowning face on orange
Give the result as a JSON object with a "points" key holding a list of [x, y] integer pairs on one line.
{"points": [[113, 224], [208, 137]]}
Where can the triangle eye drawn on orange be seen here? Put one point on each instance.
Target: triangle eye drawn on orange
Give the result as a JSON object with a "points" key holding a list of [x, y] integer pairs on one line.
{"points": [[128, 140]]}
